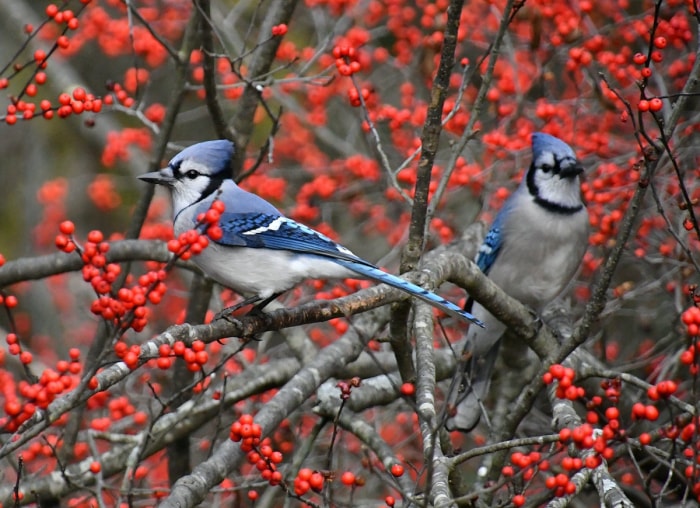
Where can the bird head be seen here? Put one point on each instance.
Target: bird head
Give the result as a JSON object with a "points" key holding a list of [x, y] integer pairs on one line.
{"points": [[553, 177], [195, 173]]}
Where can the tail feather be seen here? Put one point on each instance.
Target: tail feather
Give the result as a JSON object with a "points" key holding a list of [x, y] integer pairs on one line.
{"points": [[475, 383], [439, 302]]}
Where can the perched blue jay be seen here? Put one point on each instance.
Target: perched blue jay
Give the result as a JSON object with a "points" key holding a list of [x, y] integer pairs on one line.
{"points": [[262, 253], [532, 251]]}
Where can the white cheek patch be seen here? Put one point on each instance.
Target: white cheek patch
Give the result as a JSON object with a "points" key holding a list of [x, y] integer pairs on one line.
{"points": [[184, 195], [558, 191], [542, 179]]}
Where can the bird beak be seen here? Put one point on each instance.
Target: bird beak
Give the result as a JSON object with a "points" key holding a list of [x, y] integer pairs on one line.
{"points": [[162, 177], [571, 171]]}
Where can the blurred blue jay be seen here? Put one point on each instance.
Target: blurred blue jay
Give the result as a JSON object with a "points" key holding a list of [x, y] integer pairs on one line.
{"points": [[532, 251], [262, 253]]}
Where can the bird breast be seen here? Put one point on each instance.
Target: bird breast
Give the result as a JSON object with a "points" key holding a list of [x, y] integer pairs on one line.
{"points": [[542, 253], [264, 272]]}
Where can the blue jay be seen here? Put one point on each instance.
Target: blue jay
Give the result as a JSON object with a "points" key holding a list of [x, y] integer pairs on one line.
{"points": [[262, 253], [532, 251]]}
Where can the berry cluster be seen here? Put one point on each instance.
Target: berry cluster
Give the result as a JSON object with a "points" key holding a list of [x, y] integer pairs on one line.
{"points": [[41, 393], [266, 460], [565, 382], [246, 431], [65, 20], [118, 144], [346, 60], [194, 356], [192, 242], [354, 95], [279, 30], [526, 465], [126, 309], [306, 480], [9, 301], [128, 354], [691, 319]]}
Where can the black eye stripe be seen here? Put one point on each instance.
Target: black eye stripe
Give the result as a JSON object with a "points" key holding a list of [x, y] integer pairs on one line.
{"points": [[176, 169]]}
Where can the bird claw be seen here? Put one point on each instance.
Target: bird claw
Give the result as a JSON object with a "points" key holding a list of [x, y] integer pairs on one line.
{"points": [[227, 315]]}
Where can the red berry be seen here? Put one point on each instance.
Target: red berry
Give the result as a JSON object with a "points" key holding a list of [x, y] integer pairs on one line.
{"points": [[651, 413], [95, 236], [408, 389], [655, 104], [316, 481], [348, 478], [660, 42], [612, 413], [66, 227], [397, 470], [639, 58]]}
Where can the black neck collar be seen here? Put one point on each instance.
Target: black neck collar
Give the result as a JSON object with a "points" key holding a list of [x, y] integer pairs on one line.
{"points": [[556, 207], [547, 205]]}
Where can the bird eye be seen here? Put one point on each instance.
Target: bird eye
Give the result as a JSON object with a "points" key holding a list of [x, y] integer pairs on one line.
{"points": [[192, 174], [546, 168]]}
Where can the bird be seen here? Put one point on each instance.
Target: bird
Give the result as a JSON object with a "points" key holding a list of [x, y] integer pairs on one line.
{"points": [[262, 253], [532, 251]]}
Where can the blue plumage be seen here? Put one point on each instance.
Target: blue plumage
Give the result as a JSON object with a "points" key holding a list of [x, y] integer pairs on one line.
{"points": [[532, 251], [214, 155], [258, 230], [262, 253], [489, 248]]}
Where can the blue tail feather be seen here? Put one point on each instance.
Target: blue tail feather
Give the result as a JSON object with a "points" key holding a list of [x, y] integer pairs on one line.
{"points": [[437, 301]]}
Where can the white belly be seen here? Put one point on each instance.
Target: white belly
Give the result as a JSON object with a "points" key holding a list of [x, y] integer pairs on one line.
{"points": [[541, 256], [263, 272]]}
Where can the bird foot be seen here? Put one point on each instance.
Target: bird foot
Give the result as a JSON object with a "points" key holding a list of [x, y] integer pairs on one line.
{"points": [[227, 312], [226, 315]]}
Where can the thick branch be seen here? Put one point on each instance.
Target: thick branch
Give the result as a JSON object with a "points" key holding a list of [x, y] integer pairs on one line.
{"points": [[430, 139]]}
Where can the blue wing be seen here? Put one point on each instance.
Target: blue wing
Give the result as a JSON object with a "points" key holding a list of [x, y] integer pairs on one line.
{"points": [[261, 230], [490, 247], [488, 252]]}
